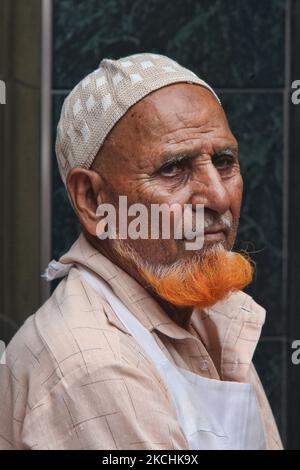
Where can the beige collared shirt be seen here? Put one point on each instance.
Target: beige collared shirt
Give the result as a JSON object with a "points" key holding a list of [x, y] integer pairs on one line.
{"points": [[76, 379]]}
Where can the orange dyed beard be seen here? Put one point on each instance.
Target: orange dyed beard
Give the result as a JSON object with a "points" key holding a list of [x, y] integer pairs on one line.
{"points": [[199, 282], [204, 283]]}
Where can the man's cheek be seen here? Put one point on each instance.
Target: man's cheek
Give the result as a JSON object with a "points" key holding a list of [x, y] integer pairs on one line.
{"points": [[239, 191], [235, 190]]}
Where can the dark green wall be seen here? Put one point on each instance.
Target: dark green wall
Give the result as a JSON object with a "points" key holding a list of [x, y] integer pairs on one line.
{"points": [[20, 163]]}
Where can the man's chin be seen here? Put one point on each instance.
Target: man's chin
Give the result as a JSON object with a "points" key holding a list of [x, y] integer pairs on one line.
{"points": [[208, 246]]}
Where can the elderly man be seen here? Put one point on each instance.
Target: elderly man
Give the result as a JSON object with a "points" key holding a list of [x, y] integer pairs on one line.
{"points": [[144, 344]]}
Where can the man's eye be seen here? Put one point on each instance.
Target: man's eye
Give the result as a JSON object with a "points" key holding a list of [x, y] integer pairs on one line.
{"points": [[173, 169], [223, 163]]}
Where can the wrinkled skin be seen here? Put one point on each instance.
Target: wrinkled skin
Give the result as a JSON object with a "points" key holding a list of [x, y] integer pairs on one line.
{"points": [[177, 120]]}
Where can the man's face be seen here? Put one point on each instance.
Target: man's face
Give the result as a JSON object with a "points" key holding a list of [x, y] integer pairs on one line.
{"points": [[175, 146]]}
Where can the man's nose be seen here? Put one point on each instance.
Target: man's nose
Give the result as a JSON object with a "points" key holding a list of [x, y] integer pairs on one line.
{"points": [[209, 189]]}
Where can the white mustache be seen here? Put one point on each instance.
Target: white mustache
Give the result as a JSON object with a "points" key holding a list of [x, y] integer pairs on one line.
{"points": [[222, 220], [209, 221]]}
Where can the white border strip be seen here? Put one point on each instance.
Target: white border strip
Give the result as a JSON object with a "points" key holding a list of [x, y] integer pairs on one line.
{"points": [[45, 143]]}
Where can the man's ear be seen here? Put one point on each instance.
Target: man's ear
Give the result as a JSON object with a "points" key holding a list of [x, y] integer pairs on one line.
{"points": [[85, 189]]}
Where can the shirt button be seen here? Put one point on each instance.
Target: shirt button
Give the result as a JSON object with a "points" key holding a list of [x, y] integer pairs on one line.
{"points": [[204, 365], [234, 365]]}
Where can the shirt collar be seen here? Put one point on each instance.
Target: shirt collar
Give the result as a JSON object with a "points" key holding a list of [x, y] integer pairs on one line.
{"points": [[230, 330]]}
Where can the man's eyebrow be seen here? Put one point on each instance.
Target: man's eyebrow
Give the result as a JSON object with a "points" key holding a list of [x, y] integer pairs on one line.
{"points": [[168, 159], [172, 159], [227, 151]]}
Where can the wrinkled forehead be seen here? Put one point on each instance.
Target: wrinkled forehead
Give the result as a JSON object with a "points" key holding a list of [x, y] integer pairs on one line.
{"points": [[171, 114], [180, 102]]}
